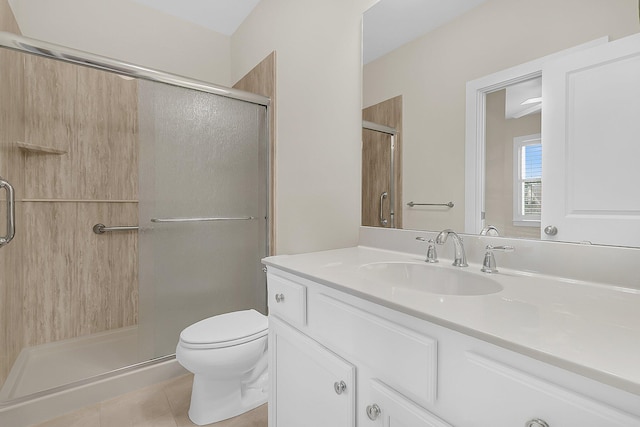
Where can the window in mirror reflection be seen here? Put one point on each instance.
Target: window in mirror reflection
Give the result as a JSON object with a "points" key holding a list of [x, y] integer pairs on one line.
{"points": [[527, 187]]}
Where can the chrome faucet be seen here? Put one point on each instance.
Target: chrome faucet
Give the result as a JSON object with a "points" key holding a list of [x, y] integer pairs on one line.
{"points": [[460, 259]]}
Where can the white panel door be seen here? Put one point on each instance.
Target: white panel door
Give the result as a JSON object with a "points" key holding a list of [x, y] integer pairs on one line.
{"points": [[591, 145]]}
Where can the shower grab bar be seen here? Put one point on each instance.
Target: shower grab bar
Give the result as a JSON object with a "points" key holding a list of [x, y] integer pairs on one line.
{"points": [[411, 204], [11, 213], [101, 228], [383, 221], [243, 218]]}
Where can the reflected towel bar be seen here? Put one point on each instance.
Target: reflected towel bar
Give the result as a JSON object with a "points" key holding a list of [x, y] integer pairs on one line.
{"points": [[411, 204], [101, 228], [244, 218]]}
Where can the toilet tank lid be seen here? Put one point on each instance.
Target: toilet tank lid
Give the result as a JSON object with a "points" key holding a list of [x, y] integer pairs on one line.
{"points": [[225, 327]]}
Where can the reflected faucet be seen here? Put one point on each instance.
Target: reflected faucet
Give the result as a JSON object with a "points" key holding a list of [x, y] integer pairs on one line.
{"points": [[460, 258], [489, 230]]}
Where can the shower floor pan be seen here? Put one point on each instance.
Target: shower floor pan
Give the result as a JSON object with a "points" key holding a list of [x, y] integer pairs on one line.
{"points": [[63, 362]]}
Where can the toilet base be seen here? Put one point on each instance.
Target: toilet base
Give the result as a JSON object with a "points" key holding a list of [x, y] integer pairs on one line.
{"points": [[215, 400]]}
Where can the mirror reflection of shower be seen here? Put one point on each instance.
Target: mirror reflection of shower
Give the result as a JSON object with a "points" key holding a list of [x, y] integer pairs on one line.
{"points": [[382, 164]]}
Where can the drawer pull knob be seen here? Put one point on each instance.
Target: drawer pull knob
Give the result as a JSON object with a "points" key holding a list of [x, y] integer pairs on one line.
{"points": [[339, 387], [279, 297], [373, 412], [536, 422]]}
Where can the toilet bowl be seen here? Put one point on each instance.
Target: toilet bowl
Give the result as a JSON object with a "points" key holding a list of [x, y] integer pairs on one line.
{"points": [[228, 357]]}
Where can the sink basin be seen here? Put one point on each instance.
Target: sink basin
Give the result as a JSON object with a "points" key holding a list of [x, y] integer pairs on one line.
{"points": [[430, 278]]}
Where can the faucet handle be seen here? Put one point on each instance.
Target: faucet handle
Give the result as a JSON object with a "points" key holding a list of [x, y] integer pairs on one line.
{"points": [[489, 263], [500, 248], [432, 254]]}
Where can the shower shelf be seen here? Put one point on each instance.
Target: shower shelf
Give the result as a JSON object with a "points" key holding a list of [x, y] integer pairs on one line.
{"points": [[39, 149]]}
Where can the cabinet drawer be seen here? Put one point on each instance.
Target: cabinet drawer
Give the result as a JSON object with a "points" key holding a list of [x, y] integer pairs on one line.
{"points": [[400, 357], [287, 300], [494, 393], [388, 408]]}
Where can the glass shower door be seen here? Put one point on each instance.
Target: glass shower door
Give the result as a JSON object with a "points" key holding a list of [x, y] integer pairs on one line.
{"points": [[202, 214]]}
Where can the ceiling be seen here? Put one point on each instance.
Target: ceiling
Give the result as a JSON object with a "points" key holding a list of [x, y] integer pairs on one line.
{"points": [[391, 23], [222, 16], [387, 25]]}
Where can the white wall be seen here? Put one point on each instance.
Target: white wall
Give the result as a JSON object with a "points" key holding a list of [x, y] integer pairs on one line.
{"points": [[431, 73], [128, 31], [318, 51]]}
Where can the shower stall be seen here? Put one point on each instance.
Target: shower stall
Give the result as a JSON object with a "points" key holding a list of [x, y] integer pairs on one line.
{"points": [[133, 204]]}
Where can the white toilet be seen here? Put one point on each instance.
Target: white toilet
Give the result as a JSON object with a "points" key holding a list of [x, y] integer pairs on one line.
{"points": [[228, 357]]}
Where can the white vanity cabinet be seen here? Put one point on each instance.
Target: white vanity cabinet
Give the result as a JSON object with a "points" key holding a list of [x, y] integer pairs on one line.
{"points": [[341, 360], [310, 385], [325, 354]]}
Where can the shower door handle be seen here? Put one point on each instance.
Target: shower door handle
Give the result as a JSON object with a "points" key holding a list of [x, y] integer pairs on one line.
{"points": [[11, 213], [383, 196]]}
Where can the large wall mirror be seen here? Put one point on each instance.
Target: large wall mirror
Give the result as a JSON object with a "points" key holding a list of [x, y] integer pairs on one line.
{"points": [[426, 62]]}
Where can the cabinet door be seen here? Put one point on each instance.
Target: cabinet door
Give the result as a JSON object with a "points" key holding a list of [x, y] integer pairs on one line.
{"points": [[310, 385], [390, 409]]}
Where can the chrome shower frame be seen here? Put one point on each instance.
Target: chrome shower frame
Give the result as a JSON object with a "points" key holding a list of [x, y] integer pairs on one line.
{"points": [[86, 59]]}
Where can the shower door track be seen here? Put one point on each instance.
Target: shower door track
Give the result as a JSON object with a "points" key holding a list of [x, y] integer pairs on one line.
{"points": [[65, 54], [85, 381]]}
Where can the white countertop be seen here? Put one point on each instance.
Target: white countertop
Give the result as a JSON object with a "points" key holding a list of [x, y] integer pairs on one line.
{"points": [[587, 328]]}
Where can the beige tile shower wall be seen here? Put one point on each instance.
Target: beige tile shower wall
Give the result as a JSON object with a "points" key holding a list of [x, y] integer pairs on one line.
{"points": [[106, 122], [11, 129], [66, 281], [90, 114], [49, 96], [78, 283]]}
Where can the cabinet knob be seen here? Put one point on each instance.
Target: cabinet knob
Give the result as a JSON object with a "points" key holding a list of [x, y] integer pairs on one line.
{"points": [[373, 412], [550, 230], [536, 422], [339, 387], [279, 297]]}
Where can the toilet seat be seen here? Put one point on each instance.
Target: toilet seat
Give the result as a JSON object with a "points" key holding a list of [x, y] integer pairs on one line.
{"points": [[225, 330]]}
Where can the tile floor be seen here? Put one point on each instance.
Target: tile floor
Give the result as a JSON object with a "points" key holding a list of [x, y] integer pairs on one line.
{"points": [[161, 405]]}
